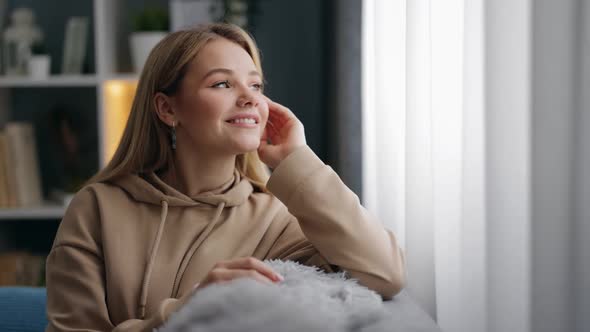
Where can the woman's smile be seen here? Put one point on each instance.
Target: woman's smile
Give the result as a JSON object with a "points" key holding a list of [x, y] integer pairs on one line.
{"points": [[243, 124], [244, 121]]}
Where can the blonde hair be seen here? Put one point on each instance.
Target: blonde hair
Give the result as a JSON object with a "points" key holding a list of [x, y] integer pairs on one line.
{"points": [[145, 145]]}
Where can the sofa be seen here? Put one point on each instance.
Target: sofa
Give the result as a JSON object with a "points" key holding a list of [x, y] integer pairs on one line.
{"points": [[22, 309]]}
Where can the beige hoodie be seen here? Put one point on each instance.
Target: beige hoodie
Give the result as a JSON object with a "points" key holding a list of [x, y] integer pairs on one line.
{"points": [[129, 253]]}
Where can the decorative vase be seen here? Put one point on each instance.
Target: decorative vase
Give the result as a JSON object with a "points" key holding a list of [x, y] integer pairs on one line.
{"points": [[187, 13], [142, 44], [39, 66]]}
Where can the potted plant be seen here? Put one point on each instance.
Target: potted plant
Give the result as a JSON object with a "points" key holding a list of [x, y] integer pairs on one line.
{"points": [[150, 26], [39, 62]]}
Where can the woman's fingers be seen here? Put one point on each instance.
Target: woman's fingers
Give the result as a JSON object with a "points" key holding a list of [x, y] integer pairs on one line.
{"points": [[222, 275], [271, 133], [246, 267], [271, 128], [225, 275], [284, 131], [251, 263], [278, 113], [275, 121], [278, 107]]}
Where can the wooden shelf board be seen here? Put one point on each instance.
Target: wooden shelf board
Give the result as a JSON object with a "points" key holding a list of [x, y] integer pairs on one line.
{"points": [[51, 81], [47, 211]]}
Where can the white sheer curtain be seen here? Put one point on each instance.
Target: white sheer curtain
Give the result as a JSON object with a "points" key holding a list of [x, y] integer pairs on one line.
{"points": [[424, 147], [475, 118]]}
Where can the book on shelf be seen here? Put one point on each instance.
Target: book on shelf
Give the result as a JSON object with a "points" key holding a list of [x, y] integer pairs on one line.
{"points": [[76, 38], [4, 199], [20, 182], [21, 268], [7, 184]]}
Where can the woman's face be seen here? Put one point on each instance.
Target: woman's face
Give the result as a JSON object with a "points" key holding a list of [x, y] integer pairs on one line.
{"points": [[219, 106]]}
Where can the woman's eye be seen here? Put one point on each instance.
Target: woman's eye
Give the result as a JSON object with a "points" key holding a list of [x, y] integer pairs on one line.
{"points": [[224, 84], [257, 86]]}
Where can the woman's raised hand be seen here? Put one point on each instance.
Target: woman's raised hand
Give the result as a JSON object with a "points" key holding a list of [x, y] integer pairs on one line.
{"points": [[245, 267], [282, 135]]}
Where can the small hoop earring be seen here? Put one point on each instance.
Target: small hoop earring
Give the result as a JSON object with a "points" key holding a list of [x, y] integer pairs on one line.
{"points": [[173, 135]]}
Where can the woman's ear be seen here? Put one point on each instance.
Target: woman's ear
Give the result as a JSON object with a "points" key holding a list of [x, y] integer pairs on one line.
{"points": [[164, 108]]}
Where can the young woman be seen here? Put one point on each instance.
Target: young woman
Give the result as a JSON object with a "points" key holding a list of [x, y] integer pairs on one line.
{"points": [[187, 201]]}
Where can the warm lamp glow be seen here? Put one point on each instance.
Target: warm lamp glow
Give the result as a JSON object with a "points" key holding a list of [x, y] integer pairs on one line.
{"points": [[118, 97]]}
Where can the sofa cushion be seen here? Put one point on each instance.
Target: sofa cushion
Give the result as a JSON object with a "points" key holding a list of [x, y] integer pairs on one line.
{"points": [[22, 309]]}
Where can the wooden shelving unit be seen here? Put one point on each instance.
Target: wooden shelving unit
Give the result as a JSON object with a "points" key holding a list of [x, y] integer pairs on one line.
{"points": [[24, 99]]}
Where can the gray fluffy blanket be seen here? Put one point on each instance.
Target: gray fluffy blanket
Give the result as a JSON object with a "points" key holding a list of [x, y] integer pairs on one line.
{"points": [[308, 300]]}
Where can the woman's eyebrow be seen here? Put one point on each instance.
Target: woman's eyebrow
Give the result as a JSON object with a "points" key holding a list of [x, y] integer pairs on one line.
{"points": [[229, 72]]}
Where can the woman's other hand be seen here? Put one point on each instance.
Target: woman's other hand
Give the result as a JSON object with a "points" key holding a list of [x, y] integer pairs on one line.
{"points": [[282, 135], [245, 267]]}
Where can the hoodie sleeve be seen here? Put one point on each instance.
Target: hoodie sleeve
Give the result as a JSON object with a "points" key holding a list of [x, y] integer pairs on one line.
{"points": [[75, 274], [328, 227]]}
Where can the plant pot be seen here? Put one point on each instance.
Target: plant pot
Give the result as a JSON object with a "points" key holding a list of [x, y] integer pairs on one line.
{"points": [[142, 44], [39, 66]]}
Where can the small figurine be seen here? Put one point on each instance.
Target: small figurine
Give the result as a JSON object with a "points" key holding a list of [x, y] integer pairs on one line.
{"points": [[18, 39]]}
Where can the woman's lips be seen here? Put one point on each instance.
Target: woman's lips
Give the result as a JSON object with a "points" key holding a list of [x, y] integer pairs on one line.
{"points": [[242, 124]]}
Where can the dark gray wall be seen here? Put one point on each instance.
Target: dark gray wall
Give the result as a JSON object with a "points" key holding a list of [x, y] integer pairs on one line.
{"points": [[292, 39], [344, 100]]}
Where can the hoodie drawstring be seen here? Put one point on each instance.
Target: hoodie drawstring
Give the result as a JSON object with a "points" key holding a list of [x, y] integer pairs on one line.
{"points": [[150, 266], [196, 244]]}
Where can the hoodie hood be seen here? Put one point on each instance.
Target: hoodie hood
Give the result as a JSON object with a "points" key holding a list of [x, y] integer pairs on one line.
{"points": [[149, 188]]}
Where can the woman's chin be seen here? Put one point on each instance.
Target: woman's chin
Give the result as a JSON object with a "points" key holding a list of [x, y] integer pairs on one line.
{"points": [[245, 147]]}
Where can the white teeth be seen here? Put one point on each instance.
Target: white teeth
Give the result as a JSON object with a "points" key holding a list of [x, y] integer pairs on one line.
{"points": [[244, 120]]}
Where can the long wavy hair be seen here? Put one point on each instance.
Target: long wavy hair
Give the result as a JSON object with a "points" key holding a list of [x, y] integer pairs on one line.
{"points": [[145, 145]]}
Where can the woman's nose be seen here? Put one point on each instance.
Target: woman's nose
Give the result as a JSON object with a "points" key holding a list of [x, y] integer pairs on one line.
{"points": [[247, 99]]}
